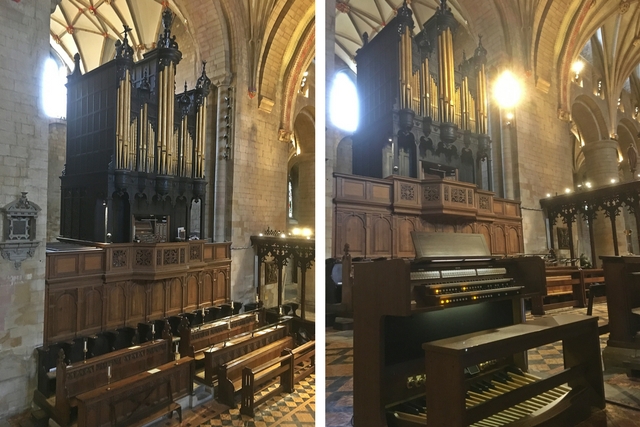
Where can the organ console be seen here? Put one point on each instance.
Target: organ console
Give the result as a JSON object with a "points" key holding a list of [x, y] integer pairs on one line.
{"points": [[454, 287]]}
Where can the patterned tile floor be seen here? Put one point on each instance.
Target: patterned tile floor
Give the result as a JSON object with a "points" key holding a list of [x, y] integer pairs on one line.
{"points": [[542, 361], [286, 410]]}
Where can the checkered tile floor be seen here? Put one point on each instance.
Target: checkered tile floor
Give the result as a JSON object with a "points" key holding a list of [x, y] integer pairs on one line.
{"points": [[287, 410]]}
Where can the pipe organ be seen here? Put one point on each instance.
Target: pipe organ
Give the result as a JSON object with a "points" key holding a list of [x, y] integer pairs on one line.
{"points": [[135, 148], [433, 112]]}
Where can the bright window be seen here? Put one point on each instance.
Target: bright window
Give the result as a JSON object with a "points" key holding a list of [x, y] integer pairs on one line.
{"points": [[343, 103], [54, 91]]}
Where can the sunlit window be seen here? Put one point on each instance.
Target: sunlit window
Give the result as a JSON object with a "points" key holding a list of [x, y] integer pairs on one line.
{"points": [[343, 104], [54, 91]]}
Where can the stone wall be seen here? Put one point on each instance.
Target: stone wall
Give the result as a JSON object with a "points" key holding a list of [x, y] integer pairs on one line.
{"points": [[540, 131], [24, 46], [57, 160]]}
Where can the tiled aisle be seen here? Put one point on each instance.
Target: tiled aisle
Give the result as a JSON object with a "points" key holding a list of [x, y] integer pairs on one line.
{"points": [[287, 410], [542, 361]]}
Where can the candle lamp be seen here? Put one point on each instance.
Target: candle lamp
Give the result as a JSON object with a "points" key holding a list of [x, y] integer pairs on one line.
{"points": [[84, 350], [153, 331], [177, 354], [109, 377]]}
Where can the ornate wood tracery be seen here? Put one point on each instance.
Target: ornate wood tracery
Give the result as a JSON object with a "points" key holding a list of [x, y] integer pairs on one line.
{"points": [[281, 250], [610, 200]]}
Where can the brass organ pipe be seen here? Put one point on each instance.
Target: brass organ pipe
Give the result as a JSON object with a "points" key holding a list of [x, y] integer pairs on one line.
{"points": [[163, 129], [118, 125], [196, 142], [164, 122], [405, 80], [441, 74], [125, 121], [160, 125], [171, 115], [204, 140]]}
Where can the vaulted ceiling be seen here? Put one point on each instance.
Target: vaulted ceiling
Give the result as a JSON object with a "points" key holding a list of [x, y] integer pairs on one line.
{"points": [[545, 36], [91, 28]]}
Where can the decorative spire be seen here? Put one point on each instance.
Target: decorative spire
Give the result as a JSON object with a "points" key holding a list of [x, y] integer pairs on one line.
{"points": [[405, 17], [481, 52], [123, 49], [204, 83], [164, 38]]}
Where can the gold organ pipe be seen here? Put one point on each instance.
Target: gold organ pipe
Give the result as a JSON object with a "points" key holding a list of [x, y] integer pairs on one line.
{"points": [[204, 141], [127, 119], [199, 143], [118, 120], [404, 69], [196, 153], [160, 125], [163, 129]]}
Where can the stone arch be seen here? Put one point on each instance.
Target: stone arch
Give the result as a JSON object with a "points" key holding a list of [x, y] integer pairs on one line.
{"points": [[302, 162], [301, 61], [589, 119], [277, 58]]}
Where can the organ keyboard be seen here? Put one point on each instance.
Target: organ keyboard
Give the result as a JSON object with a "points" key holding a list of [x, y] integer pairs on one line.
{"points": [[453, 287]]}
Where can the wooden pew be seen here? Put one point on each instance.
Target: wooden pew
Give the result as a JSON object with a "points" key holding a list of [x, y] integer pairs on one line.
{"points": [[287, 367], [572, 281], [193, 341], [139, 399], [230, 373], [240, 345], [82, 377]]}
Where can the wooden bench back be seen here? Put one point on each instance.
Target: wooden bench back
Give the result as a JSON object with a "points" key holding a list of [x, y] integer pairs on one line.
{"points": [[219, 355], [139, 398], [82, 377], [231, 373], [195, 340]]}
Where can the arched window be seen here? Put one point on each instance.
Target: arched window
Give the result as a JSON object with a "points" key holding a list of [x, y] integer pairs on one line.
{"points": [[344, 108], [54, 91]]}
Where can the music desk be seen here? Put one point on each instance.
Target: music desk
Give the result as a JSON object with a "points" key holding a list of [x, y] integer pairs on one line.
{"points": [[447, 384]]}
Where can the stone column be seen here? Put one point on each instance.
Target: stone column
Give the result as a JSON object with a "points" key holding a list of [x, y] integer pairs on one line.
{"points": [[601, 160]]}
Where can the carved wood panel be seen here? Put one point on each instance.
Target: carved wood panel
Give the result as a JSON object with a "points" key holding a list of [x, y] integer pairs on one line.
{"points": [[116, 305], [221, 278], [405, 245], [513, 241], [156, 299], [207, 288], [90, 309], [380, 237], [354, 233], [176, 294], [486, 232], [500, 241], [63, 310], [192, 294]]}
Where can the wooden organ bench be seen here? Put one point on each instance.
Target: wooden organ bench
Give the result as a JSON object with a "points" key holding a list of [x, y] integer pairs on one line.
{"points": [[95, 373], [573, 282], [291, 367], [572, 393]]}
